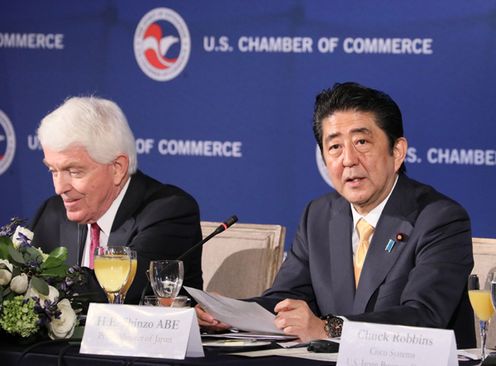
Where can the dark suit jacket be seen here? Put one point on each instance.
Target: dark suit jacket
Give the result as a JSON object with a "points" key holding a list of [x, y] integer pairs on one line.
{"points": [[421, 282], [158, 221]]}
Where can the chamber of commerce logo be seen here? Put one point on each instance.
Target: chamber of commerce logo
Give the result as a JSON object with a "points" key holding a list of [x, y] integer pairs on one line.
{"points": [[162, 44], [321, 166], [7, 142]]}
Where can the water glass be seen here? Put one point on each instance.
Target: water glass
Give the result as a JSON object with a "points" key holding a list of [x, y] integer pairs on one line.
{"points": [[166, 279], [181, 302], [151, 300]]}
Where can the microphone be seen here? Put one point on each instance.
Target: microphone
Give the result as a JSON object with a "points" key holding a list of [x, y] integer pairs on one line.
{"points": [[226, 224], [222, 227]]}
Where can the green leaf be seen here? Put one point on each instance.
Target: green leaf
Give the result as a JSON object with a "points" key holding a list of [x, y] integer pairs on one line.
{"points": [[5, 240], [78, 333], [33, 253], [40, 285], [59, 271], [16, 271], [52, 262], [56, 258], [16, 256], [4, 250], [6, 291], [59, 253]]}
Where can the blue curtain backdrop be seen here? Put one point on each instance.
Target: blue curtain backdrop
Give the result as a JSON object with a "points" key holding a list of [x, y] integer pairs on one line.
{"points": [[220, 94]]}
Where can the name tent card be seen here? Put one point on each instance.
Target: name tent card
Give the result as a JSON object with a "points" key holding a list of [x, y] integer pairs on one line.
{"points": [[394, 345], [141, 331]]}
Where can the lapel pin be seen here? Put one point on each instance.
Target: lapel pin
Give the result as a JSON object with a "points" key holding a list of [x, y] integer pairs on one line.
{"points": [[390, 245], [400, 237]]}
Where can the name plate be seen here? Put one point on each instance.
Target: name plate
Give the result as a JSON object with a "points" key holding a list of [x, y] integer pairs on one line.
{"points": [[141, 331], [394, 345]]}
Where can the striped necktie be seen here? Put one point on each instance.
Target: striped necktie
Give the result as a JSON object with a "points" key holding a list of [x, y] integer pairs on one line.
{"points": [[95, 241]]}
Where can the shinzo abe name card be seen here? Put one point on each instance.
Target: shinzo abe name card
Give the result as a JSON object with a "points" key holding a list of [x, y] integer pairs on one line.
{"points": [[141, 331]]}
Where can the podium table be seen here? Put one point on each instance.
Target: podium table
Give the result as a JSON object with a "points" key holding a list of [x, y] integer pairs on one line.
{"points": [[66, 353]]}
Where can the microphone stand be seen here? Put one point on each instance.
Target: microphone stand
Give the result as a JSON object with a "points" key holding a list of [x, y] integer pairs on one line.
{"points": [[222, 227]]}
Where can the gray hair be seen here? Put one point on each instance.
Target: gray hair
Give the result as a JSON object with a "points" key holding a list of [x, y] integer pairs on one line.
{"points": [[96, 124]]}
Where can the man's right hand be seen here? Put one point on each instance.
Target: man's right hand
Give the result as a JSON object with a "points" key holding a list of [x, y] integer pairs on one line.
{"points": [[208, 322]]}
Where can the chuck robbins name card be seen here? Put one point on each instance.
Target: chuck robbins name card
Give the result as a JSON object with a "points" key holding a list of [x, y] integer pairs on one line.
{"points": [[141, 331], [394, 345]]}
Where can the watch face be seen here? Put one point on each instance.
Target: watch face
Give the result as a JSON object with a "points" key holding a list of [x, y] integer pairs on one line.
{"points": [[335, 326]]}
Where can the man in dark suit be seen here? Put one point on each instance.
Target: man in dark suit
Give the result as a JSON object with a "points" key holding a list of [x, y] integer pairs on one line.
{"points": [[412, 267], [90, 151]]}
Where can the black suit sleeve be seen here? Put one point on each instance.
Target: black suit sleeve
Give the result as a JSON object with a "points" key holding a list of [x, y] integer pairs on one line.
{"points": [[166, 227]]}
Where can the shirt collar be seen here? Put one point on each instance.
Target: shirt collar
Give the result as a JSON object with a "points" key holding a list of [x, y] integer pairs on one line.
{"points": [[105, 222], [373, 216]]}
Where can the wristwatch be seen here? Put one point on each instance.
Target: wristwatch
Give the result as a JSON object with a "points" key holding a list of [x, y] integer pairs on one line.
{"points": [[333, 325]]}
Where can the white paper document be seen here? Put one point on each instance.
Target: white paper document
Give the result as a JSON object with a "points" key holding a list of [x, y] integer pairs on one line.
{"points": [[243, 315], [249, 335]]}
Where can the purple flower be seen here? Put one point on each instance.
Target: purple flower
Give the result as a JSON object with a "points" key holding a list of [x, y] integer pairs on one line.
{"points": [[9, 229]]}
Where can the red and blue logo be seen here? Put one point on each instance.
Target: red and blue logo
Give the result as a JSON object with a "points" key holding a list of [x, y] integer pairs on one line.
{"points": [[7, 142], [162, 44]]}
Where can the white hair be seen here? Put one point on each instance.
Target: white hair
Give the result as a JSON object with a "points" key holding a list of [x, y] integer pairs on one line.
{"points": [[96, 124]]}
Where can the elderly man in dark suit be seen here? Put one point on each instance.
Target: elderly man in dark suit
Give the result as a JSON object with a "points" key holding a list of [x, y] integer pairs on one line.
{"points": [[382, 248], [90, 152]]}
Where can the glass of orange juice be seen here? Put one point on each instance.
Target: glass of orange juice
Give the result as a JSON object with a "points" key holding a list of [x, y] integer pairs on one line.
{"points": [[112, 266], [480, 299], [134, 266]]}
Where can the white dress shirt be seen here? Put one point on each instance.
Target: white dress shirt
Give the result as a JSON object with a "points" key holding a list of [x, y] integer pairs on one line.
{"points": [[105, 223], [372, 218]]}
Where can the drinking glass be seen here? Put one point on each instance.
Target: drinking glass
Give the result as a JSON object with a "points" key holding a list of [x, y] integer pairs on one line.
{"points": [[166, 278], [181, 302], [134, 266], [112, 267], [151, 300], [492, 280], [480, 299]]}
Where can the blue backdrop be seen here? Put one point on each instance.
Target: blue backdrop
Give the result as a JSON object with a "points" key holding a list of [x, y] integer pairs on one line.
{"points": [[220, 94]]}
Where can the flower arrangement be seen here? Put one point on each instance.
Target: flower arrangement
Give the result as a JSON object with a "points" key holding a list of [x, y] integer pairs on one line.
{"points": [[36, 295]]}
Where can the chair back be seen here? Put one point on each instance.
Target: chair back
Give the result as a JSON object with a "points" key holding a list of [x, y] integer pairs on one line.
{"points": [[242, 261], [484, 262]]}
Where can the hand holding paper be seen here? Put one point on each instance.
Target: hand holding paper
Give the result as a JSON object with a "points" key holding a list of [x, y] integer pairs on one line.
{"points": [[297, 319], [243, 315], [207, 321]]}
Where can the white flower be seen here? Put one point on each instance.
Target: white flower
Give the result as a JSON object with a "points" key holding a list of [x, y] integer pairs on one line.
{"points": [[64, 326], [19, 284], [16, 239], [53, 294], [5, 273]]}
